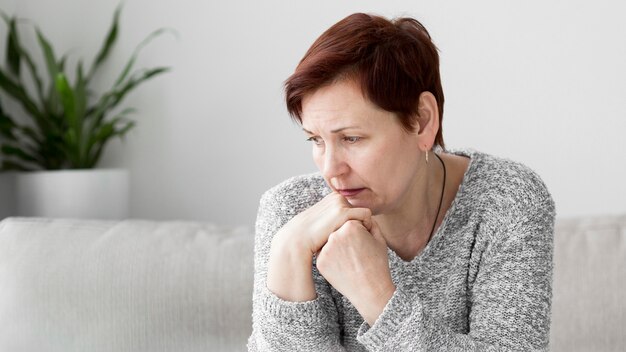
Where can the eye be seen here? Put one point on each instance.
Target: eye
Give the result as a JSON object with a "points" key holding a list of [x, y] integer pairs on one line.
{"points": [[351, 139], [315, 140]]}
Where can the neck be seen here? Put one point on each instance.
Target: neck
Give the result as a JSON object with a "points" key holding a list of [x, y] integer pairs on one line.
{"points": [[407, 230]]}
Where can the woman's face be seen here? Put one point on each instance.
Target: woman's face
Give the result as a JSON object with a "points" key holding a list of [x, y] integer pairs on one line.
{"points": [[361, 150]]}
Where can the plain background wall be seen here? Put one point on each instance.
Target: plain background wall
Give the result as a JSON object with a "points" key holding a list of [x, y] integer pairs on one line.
{"points": [[541, 82]]}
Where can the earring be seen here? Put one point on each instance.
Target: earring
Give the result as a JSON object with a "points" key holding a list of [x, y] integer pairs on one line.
{"points": [[427, 157]]}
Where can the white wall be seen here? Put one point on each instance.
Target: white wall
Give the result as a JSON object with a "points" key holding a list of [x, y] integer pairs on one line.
{"points": [[541, 82]]}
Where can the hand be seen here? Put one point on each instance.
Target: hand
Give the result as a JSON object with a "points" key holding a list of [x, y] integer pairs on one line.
{"points": [[310, 229], [289, 273], [354, 261]]}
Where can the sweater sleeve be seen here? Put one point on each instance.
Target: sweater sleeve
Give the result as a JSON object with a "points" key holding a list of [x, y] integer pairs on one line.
{"points": [[509, 302], [279, 325]]}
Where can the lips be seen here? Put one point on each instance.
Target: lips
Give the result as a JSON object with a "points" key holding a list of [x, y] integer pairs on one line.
{"points": [[350, 192]]}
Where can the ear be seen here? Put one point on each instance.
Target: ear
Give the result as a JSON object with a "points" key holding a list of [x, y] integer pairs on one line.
{"points": [[428, 121]]}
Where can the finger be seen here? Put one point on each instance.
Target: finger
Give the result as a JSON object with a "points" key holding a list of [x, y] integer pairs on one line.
{"points": [[353, 225], [365, 219], [367, 223], [335, 196], [375, 231], [361, 214]]}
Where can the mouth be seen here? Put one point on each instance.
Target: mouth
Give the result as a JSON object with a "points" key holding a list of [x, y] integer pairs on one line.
{"points": [[350, 192]]}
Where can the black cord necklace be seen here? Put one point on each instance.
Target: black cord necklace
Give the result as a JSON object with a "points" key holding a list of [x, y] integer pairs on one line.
{"points": [[443, 188]]}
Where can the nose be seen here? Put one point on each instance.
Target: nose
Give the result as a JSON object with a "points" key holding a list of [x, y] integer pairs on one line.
{"points": [[334, 164]]}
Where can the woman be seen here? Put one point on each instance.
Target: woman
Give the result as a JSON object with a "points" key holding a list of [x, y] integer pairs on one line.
{"points": [[396, 244]]}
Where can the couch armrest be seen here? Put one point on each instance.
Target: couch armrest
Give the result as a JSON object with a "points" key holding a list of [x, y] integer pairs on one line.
{"points": [[81, 285], [589, 303]]}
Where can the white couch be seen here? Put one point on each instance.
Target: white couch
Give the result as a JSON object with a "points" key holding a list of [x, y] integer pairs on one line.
{"points": [[80, 285]]}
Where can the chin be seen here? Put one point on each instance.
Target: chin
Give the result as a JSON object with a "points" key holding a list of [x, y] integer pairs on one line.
{"points": [[358, 203]]}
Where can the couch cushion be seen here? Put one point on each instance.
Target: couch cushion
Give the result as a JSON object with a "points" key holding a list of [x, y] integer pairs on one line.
{"points": [[588, 306], [183, 286], [68, 285]]}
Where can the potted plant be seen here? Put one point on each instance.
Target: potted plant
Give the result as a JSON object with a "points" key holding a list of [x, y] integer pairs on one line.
{"points": [[53, 149]]}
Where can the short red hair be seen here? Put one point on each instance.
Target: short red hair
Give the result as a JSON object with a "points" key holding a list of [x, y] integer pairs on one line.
{"points": [[393, 61]]}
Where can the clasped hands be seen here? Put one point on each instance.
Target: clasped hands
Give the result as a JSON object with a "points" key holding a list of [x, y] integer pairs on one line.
{"points": [[351, 256]]}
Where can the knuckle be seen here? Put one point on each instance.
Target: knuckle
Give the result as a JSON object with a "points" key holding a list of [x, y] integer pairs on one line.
{"points": [[351, 226], [353, 223], [338, 235]]}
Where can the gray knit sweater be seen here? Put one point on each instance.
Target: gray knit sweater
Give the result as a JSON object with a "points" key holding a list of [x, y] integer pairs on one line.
{"points": [[483, 283]]}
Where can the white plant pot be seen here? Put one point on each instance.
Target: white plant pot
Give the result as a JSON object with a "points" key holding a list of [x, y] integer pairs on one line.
{"points": [[87, 194]]}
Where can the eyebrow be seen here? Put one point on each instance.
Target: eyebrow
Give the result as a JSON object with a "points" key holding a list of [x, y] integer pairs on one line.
{"points": [[333, 131]]}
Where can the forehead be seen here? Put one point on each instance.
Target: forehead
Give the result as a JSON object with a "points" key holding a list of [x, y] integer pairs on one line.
{"points": [[339, 103]]}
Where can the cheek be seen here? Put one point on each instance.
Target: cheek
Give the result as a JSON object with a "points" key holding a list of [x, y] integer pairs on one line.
{"points": [[389, 163], [318, 158]]}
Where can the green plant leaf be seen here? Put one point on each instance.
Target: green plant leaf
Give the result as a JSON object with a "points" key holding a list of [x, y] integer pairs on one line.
{"points": [[114, 97], [7, 125], [144, 75], [106, 132], [48, 53], [10, 165], [14, 132], [99, 141], [73, 121], [80, 90], [18, 153], [53, 103], [61, 63], [80, 97], [108, 43], [69, 130], [17, 91], [133, 58], [13, 49], [33, 73], [5, 17], [54, 152], [13, 43], [67, 99], [96, 130], [71, 151], [30, 133], [121, 132]]}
